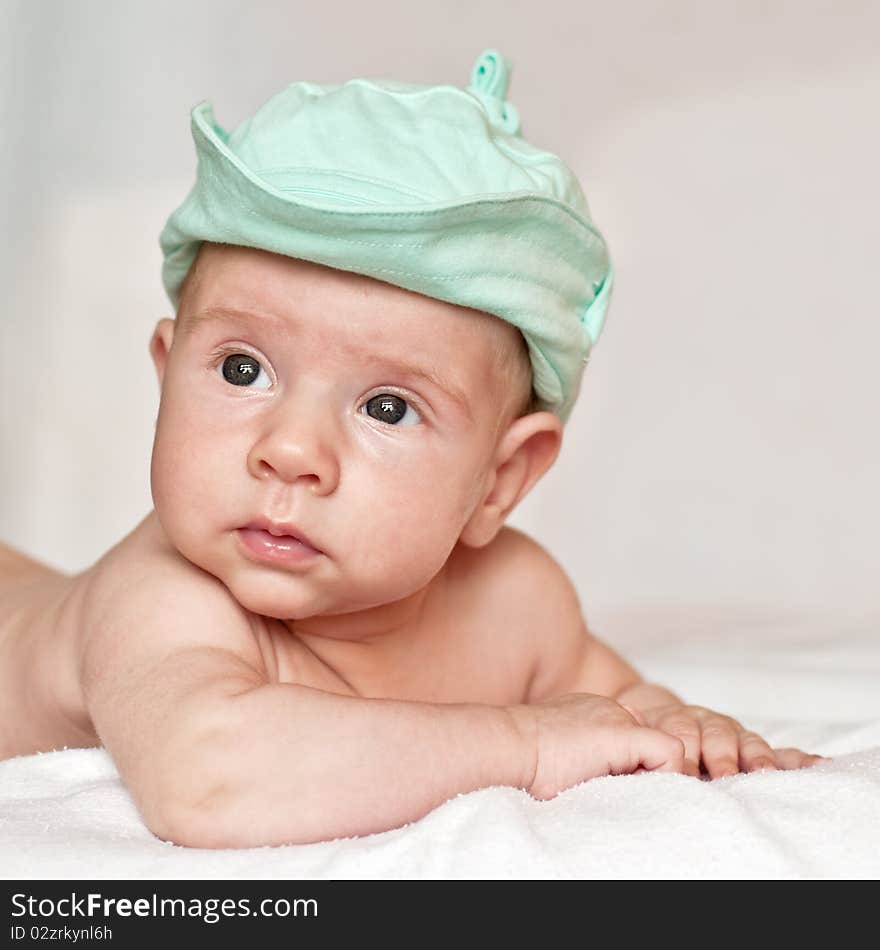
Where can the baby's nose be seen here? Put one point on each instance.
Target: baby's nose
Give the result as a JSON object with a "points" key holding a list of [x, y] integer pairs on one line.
{"points": [[291, 450]]}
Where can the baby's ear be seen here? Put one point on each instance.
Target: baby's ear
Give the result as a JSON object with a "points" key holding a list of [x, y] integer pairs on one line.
{"points": [[529, 447], [160, 345]]}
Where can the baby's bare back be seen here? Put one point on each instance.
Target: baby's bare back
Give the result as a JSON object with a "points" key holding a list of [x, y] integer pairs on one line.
{"points": [[41, 705]]}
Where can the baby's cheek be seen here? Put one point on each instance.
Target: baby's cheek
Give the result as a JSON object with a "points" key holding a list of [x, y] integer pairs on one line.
{"points": [[168, 461], [180, 476], [159, 474], [417, 538]]}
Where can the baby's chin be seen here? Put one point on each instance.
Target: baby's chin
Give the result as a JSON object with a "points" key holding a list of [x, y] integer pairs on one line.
{"points": [[281, 597], [292, 597]]}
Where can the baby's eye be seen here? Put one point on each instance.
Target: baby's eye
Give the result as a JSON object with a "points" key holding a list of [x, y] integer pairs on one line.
{"points": [[391, 409], [241, 369]]}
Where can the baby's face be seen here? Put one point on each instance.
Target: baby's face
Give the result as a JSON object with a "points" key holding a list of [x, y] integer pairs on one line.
{"points": [[366, 415]]}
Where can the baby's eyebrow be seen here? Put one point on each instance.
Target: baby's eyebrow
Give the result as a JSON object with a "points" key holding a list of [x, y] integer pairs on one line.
{"points": [[213, 315]]}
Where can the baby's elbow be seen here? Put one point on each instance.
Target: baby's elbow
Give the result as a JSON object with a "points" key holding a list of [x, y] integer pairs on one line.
{"points": [[194, 832], [223, 818], [193, 821], [187, 795]]}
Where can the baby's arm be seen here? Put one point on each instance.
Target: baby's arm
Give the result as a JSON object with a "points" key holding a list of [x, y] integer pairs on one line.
{"points": [[216, 755]]}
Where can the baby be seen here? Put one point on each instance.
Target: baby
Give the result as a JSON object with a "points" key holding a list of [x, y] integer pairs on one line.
{"points": [[325, 628]]}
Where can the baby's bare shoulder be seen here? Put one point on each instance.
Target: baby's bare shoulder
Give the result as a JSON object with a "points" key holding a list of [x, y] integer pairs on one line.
{"points": [[520, 596], [145, 601], [516, 570], [167, 651]]}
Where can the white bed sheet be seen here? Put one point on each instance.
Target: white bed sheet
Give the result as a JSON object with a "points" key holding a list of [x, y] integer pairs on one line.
{"points": [[803, 681]]}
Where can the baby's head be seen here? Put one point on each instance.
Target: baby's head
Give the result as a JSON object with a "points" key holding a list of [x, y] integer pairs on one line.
{"points": [[385, 425], [385, 299]]}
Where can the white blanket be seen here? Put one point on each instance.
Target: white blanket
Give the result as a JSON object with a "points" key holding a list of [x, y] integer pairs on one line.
{"points": [[808, 683]]}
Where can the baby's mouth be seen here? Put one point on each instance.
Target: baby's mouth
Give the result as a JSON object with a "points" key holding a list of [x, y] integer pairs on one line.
{"points": [[284, 542]]}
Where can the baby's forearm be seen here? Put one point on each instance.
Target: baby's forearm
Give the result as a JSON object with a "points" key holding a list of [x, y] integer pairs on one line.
{"points": [[297, 765]]}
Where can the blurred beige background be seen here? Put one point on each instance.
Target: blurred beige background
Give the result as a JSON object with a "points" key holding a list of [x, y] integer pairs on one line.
{"points": [[724, 452]]}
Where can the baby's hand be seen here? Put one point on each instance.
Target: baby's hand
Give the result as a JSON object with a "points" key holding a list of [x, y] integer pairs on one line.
{"points": [[581, 736], [723, 745]]}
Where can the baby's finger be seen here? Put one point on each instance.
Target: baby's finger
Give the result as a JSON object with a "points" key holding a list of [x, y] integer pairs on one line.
{"points": [[720, 748], [754, 753], [687, 729], [657, 750], [795, 759]]}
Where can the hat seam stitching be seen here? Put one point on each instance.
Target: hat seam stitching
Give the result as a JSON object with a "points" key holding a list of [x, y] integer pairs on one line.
{"points": [[339, 173]]}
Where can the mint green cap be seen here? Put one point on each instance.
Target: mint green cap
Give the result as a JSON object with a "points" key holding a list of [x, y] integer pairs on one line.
{"points": [[430, 188]]}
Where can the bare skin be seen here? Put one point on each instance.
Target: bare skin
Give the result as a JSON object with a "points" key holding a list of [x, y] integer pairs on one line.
{"points": [[420, 648], [41, 704], [48, 616]]}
